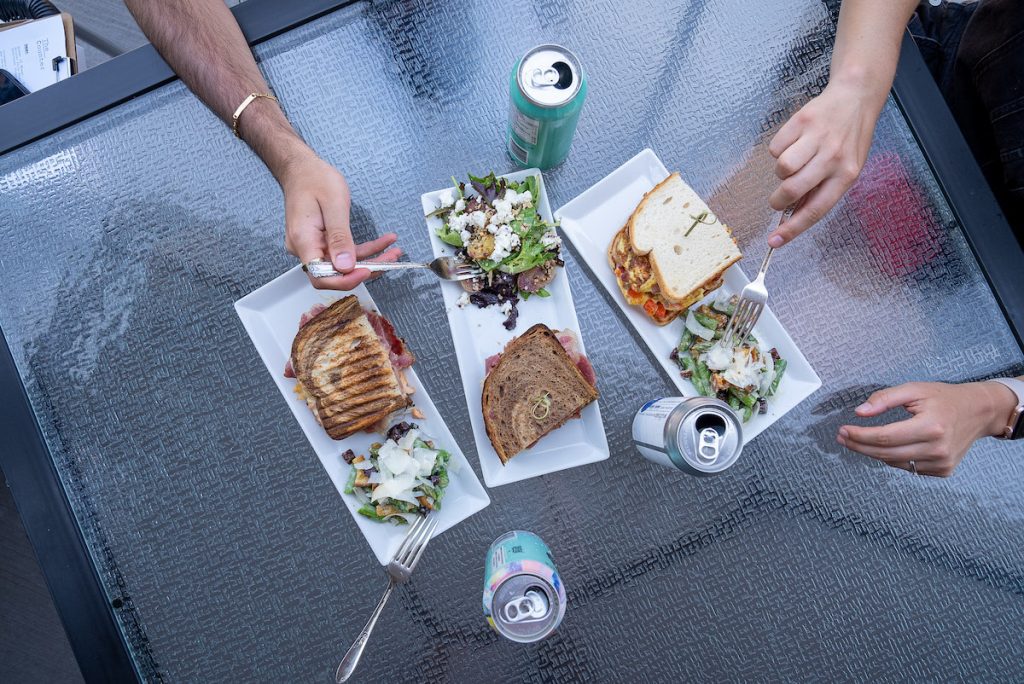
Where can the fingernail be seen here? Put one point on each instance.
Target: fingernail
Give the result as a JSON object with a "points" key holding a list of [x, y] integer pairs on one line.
{"points": [[344, 262], [866, 406], [775, 241], [843, 433]]}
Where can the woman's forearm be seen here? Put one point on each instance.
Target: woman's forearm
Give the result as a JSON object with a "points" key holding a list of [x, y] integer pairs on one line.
{"points": [[867, 46]]}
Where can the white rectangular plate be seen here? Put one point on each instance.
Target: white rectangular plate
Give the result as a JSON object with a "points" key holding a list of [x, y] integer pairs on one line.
{"points": [[592, 219], [479, 333], [271, 317]]}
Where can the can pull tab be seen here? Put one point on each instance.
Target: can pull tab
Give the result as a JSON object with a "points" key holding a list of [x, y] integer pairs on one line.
{"points": [[542, 78], [531, 606], [707, 446]]}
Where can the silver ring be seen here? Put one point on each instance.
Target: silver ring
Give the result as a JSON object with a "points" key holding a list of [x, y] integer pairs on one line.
{"points": [[913, 467], [319, 268]]}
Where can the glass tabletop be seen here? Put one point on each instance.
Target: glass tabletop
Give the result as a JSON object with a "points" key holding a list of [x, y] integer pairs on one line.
{"points": [[223, 545]]}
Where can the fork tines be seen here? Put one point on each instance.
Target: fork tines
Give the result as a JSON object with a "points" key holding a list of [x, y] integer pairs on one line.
{"points": [[743, 320], [466, 272], [415, 542]]}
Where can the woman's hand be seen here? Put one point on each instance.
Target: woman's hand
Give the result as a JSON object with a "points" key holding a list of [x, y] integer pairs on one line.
{"points": [[316, 204], [820, 151], [945, 420]]}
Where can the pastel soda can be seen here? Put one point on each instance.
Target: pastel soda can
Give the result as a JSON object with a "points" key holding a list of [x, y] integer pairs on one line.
{"points": [[524, 598], [697, 435], [547, 88]]}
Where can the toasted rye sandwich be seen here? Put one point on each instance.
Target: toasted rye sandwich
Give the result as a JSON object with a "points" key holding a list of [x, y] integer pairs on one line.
{"points": [[533, 388], [672, 252], [349, 368]]}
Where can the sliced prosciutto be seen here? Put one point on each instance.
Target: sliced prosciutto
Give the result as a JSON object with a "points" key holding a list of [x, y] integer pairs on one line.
{"points": [[401, 357]]}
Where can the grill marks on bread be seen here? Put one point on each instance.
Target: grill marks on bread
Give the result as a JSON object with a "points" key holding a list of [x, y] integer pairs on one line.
{"points": [[345, 370]]}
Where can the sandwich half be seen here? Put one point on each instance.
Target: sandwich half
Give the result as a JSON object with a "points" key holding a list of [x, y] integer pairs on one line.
{"points": [[348, 369], [533, 387], [672, 252]]}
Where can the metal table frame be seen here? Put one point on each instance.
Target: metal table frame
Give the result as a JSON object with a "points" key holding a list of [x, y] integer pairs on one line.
{"points": [[81, 601]]}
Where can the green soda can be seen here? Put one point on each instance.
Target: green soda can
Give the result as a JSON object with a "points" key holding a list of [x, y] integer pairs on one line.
{"points": [[547, 88], [524, 598]]}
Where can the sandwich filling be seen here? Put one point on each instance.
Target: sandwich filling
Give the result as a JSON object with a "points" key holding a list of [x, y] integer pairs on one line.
{"points": [[639, 283]]}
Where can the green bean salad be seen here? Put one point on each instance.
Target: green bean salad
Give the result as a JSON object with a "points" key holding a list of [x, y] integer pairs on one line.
{"points": [[744, 376]]}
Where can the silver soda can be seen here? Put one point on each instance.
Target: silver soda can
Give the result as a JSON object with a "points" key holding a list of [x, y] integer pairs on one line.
{"points": [[698, 435], [547, 88], [524, 598]]}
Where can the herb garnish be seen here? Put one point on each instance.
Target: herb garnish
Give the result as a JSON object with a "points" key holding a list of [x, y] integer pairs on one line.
{"points": [[700, 218]]}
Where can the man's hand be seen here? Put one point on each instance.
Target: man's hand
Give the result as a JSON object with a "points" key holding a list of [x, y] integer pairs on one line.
{"points": [[945, 420], [316, 207], [819, 153]]}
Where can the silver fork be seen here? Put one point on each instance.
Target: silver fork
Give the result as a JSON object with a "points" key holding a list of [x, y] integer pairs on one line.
{"points": [[753, 297], [399, 571], [445, 268]]}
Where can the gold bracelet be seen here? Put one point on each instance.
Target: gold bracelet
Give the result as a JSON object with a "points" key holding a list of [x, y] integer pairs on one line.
{"points": [[241, 108]]}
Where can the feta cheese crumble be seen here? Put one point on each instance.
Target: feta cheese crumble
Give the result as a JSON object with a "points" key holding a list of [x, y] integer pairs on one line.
{"points": [[506, 307], [477, 219], [504, 242], [463, 301], [447, 198], [502, 210], [550, 239]]}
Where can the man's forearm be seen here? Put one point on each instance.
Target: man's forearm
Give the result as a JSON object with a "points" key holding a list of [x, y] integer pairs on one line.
{"points": [[202, 42], [867, 45]]}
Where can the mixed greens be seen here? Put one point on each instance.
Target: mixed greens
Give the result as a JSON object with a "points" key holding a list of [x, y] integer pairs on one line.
{"points": [[494, 223], [404, 476], [745, 375]]}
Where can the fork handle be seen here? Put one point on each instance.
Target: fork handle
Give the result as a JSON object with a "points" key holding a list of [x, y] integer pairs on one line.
{"points": [[767, 260], [389, 265], [782, 217], [355, 651]]}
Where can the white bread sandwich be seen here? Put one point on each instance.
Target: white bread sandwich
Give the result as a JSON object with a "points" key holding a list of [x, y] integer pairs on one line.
{"points": [[672, 252]]}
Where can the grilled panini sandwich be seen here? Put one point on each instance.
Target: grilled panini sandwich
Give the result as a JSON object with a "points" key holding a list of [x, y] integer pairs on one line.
{"points": [[532, 389], [672, 252], [347, 370]]}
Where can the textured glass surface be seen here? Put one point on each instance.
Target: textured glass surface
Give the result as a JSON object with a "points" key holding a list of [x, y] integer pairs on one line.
{"points": [[127, 238]]}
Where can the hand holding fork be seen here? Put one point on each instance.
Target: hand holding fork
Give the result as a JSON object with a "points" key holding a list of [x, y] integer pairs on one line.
{"points": [[753, 297]]}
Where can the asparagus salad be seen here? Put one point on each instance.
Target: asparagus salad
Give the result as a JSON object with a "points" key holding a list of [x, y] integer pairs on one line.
{"points": [[745, 376], [402, 477], [494, 223]]}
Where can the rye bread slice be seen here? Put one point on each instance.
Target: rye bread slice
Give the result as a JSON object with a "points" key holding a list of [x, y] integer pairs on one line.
{"points": [[533, 365]]}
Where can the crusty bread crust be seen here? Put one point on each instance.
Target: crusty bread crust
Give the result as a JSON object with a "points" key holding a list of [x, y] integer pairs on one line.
{"points": [[688, 299], [537, 334]]}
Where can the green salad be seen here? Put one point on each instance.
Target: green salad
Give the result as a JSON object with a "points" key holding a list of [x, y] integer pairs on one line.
{"points": [[404, 476], [494, 223]]}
